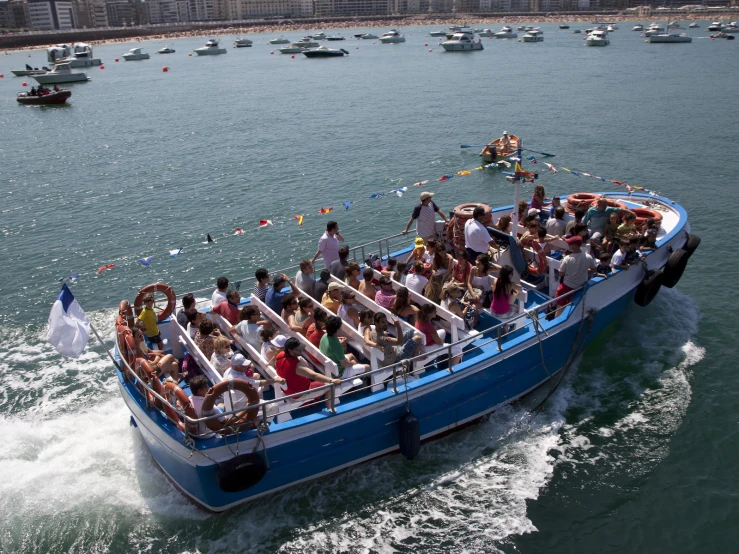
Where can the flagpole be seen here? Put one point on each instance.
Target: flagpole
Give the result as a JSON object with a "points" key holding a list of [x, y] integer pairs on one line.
{"points": [[516, 195], [100, 340]]}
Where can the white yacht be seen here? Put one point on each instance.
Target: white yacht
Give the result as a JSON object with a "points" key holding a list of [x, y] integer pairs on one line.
{"points": [[731, 28], [306, 42], [165, 50], [135, 54], [535, 35], [486, 33], [319, 36], [715, 26], [246, 43], [211, 48], [292, 49], [60, 73], [670, 38], [611, 28], [462, 41], [638, 27], [597, 38], [506, 32], [79, 55], [521, 28], [393, 36], [437, 34], [654, 29], [281, 40]]}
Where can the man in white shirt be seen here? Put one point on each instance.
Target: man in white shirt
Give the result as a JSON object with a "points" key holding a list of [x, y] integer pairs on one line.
{"points": [[556, 225], [618, 260], [574, 272], [199, 388], [416, 281], [477, 239], [241, 368], [328, 244], [425, 216], [219, 295]]}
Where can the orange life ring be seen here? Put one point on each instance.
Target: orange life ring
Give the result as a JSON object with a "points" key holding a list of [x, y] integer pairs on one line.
{"points": [[611, 204], [126, 346], [642, 214], [173, 390], [146, 373], [215, 392], [580, 200], [125, 313], [156, 287]]}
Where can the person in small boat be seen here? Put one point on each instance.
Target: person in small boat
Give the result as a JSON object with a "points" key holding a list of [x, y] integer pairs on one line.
{"points": [[504, 144], [322, 284], [219, 295], [556, 225], [365, 286], [328, 244], [347, 310], [56, 88], [297, 374], [425, 216], [206, 336], [275, 294], [351, 275], [385, 296], [149, 319], [332, 299], [164, 364], [400, 347], [338, 267], [416, 281], [574, 272], [504, 298], [304, 279], [333, 349], [402, 306], [230, 308], [249, 326], [477, 239], [261, 286], [33, 92]]}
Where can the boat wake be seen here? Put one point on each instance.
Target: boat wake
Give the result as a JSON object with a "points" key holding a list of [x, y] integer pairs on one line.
{"points": [[84, 481]]}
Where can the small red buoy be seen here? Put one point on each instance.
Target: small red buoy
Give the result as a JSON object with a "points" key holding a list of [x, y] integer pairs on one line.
{"points": [[431, 50], [357, 47], [102, 67], [293, 56], [24, 84], [425, 43], [1, 75], [272, 52], [116, 59], [165, 69]]}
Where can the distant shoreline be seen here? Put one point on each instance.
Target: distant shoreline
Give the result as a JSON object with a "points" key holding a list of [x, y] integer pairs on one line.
{"points": [[139, 34]]}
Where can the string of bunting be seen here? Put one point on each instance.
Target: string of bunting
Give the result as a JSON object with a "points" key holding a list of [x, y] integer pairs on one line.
{"points": [[519, 172]]}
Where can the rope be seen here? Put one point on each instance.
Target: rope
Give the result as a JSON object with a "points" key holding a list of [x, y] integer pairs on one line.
{"points": [[535, 319], [260, 431], [574, 350]]}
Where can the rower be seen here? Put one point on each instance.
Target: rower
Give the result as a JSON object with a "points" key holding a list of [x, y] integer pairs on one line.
{"points": [[504, 143]]}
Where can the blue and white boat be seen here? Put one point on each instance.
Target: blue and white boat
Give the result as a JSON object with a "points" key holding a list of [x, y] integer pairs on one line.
{"points": [[288, 443]]}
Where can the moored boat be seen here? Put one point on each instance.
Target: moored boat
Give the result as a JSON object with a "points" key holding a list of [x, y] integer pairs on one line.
{"points": [[564, 26], [437, 34], [486, 33], [211, 48], [61, 73], [324, 52], [368, 36], [500, 149], [262, 444], [462, 42], [393, 36], [247, 43], [44, 99], [135, 54], [28, 71], [292, 49], [306, 42], [535, 35], [597, 38], [280, 40], [506, 32], [638, 27], [166, 50]]}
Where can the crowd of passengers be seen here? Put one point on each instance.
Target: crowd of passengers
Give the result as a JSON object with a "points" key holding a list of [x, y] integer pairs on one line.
{"points": [[462, 282]]}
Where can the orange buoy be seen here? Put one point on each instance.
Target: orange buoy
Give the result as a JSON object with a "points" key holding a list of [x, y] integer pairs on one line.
{"points": [[165, 69], [425, 43], [24, 84], [102, 67]]}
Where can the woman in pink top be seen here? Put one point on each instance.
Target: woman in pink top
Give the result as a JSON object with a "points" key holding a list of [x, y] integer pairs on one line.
{"points": [[433, 337], [504, 299]]}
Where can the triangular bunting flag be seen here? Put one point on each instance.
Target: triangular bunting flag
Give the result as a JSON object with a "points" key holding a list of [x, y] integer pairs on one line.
{"points": [[299, 218], [347, 204], [238, 231], [325, 210], [146, 261], [265, 223], [174, 253], [420, 183]]}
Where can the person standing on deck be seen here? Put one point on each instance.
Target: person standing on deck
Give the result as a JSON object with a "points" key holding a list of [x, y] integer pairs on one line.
{"points": [[328, 244], [425, 216], [574, 272]]}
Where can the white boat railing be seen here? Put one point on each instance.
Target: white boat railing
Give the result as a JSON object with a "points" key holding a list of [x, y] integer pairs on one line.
{"points": [[399, 370]]}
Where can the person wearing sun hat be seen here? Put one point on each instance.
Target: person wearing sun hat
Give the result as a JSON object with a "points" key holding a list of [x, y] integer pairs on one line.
{"points": [[242, 368], [574, 272], [425, 216], [332, 298]]}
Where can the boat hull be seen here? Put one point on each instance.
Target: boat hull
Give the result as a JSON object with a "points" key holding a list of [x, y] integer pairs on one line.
{"points": [[393, 40], [27, 72], [58, 79], [81, 62], [669, 39], [454, 46], [488, 158], [597, 42], [506, 35], [45, 100], [210, 51], [135, 57]]}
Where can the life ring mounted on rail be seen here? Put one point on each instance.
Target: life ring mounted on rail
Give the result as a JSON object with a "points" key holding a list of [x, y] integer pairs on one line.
{"points": [[235, 422], [642, 214], [126, 347], [153, 288], [173, 393], [580, 200]]}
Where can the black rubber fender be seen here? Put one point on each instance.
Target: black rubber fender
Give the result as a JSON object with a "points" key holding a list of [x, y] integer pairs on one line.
{"points": [[649, 287], [409, 435], [691, 245], [241, 472], [675, 267]]}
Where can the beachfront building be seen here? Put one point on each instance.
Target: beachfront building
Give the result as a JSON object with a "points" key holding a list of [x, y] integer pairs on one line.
{"points": [[14, 14], [202, 10], [168, 11], [366, 7], [49, 15]]}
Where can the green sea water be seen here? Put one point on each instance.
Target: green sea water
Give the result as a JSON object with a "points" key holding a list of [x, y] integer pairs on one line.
{"points": [[634, 453]]}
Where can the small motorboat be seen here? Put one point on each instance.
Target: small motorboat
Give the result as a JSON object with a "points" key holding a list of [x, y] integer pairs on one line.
{"points": [[369, 36], [717, 35], [521, 28], [731, 28], [715, 26], [61, 73], [611, 28], [211, 48], [318, 36], [437, 34], [597, 38], [165, 50], [28, 71], [670, 38], [494, 151], [638, 27], [306, 42], [576, 32], [78, 55], [393, 36], [693, 26], [135, 54], [463, 41], [292, 49], [486, 33], [44, 99], [246, 43], [335, 38], [534, 35], [654, 29], [506, 32], [281, 40], [324, 52], [564, 26]]}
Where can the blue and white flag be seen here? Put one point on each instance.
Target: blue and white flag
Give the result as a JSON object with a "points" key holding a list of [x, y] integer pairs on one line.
{"points": [[69, 328]]}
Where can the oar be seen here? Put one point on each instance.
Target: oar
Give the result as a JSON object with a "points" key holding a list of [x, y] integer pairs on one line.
{"points": [[547, 154], [472, 145]]}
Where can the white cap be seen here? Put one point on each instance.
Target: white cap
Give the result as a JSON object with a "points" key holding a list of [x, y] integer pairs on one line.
{"points": [[239, 359], [278, 341]]}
